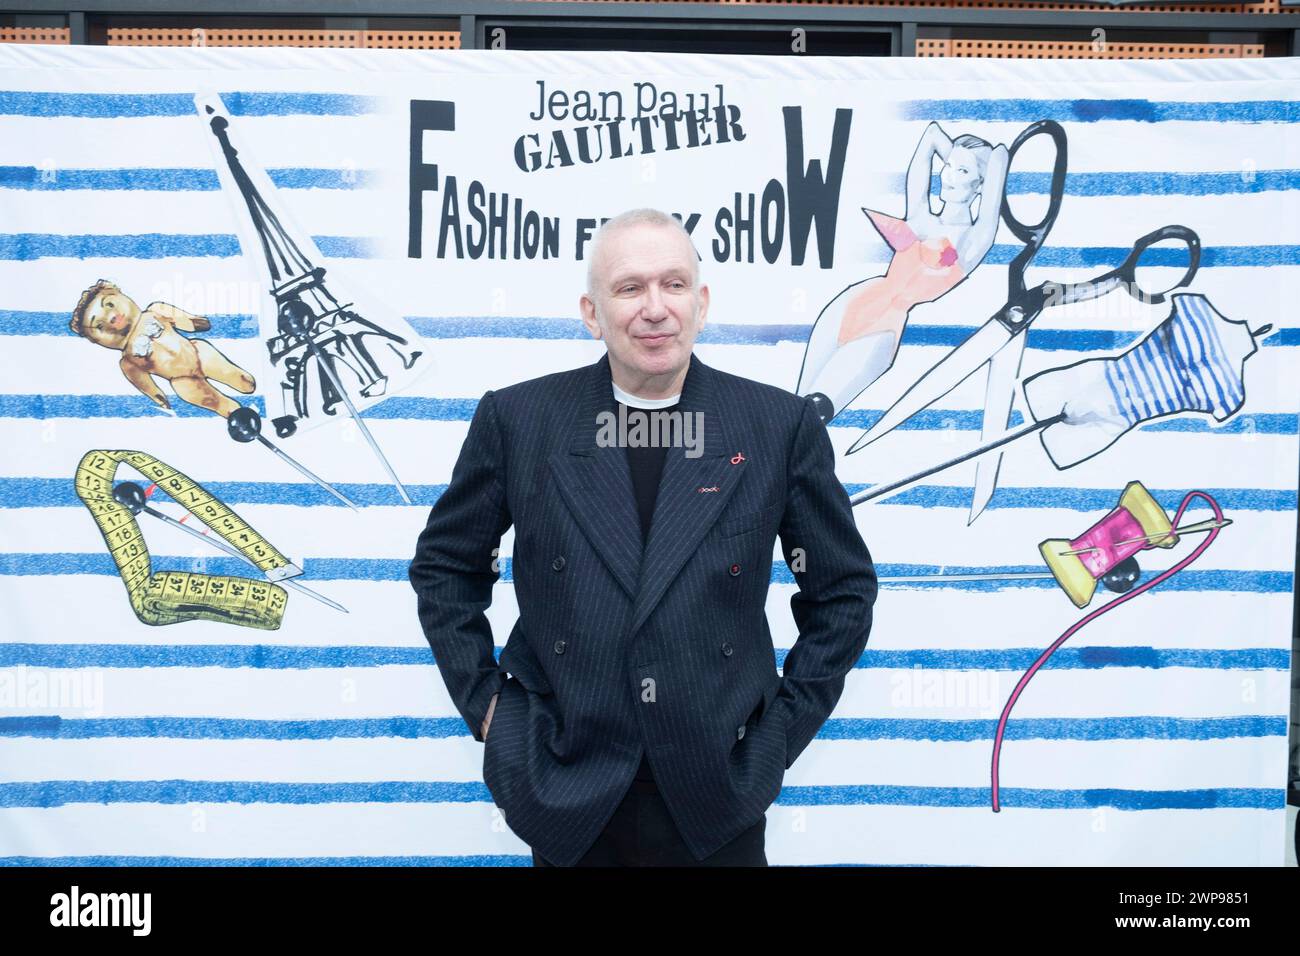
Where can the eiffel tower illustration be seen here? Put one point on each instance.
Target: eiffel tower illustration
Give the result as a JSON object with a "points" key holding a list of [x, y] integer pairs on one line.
{"points": [[317, 333]]}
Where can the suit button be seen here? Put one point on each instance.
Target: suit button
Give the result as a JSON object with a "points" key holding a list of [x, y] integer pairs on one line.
{"points": [[740, 732], [726, 649], [560, 646], [735, 569], [558, 563]]}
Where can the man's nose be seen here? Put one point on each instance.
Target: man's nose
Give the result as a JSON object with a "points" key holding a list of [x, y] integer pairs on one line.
{"points": [[656, 306]]}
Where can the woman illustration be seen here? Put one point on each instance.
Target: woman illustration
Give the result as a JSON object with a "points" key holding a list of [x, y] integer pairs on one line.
{"points": [[855, 338]]}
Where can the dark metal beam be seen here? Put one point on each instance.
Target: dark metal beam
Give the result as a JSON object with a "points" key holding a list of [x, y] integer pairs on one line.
{"points": [[907, 39], [588, 12]]}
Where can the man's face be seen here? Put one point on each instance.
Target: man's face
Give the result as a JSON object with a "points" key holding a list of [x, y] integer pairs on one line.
{"points": [[644, 302], [109, 318]]}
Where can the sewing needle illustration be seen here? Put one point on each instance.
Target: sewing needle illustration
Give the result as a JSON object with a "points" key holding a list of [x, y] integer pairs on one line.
{"points": [[1201, 526], [880, 490], [245, 425], [131, 496], [985, 576]]}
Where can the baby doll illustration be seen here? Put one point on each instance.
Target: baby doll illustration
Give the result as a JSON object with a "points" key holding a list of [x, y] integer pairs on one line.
{"points": [[151, 344]]}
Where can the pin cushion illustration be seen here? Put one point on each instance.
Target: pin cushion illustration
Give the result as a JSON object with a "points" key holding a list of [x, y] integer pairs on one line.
{"points": [[856, 336], [151, 343]]}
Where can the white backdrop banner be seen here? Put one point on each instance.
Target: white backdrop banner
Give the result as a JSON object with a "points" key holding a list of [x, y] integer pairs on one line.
{"points": [[250, 298]]}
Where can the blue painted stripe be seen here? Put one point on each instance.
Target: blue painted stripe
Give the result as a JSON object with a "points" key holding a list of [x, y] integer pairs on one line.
{"points": [[1110, 257], [58, 492], [1017, 659], [410, 408], [257, 656], [837, 728], [175, 179], [118, 105], [1220, 798], [1096, 111], [25, 247], [1144, 183], [57, 793], [125, 105], [348, 247], [222, 728], [1100, 184], [1050, 728], [18, 322], [914, 334], [107, 406], [293, 657]]}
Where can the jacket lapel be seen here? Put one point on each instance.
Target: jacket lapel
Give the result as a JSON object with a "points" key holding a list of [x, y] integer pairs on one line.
{"points": [[596, 482], [596, 485], [687, 506]]}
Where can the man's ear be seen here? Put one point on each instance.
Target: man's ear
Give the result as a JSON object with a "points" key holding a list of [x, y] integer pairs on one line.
{"points": [[704, 304], [588, 309]]}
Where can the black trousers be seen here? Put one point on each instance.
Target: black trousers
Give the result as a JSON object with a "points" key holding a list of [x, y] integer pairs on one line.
{"points": [[642, 833]]}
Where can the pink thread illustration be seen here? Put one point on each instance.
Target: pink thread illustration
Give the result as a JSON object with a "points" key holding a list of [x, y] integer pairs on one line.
{"points": [[1089, 618]]}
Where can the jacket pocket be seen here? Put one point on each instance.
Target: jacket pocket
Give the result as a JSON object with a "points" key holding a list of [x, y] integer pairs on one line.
{"points": [[764, 705], [502, 727], [519, 660], [747, 521]]}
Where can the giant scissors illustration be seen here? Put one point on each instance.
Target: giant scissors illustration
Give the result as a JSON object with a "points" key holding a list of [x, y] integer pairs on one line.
{"points": [[1000, 342]]}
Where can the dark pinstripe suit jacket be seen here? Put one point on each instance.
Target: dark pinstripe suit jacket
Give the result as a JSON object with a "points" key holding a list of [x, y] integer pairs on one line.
{"points": [[620, 649]]}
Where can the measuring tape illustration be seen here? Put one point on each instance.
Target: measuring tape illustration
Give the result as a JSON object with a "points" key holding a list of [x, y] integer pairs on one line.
{"points": [[169, 597]]}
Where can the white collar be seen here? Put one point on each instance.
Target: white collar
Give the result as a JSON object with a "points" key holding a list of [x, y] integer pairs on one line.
{"points": [[634, 401]]}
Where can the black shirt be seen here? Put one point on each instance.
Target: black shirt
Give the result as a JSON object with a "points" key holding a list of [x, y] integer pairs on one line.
{"points": [[646, 464]]}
